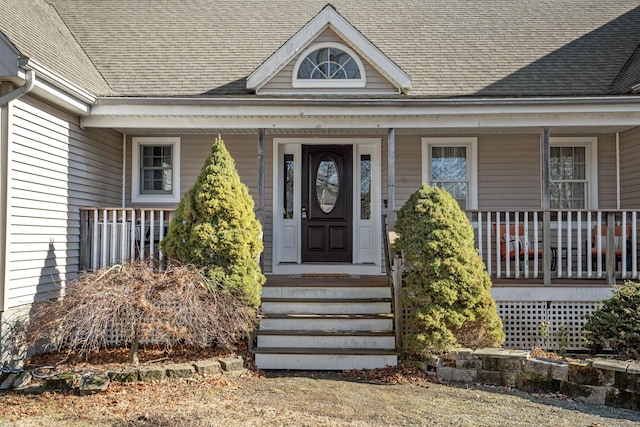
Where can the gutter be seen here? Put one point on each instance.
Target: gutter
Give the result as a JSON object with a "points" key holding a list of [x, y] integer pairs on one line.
{"points": [[29, 84], [256, 100]]}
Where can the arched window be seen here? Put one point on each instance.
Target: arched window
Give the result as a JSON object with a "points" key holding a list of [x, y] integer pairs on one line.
{"points": [[328, 65]]}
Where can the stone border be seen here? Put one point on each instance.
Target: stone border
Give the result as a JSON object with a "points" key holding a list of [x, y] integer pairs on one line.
{"points": [[598, 381], [93, 382]]}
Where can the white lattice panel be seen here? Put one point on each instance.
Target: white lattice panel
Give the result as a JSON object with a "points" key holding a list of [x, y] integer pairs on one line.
{"points": [[522, 319]]}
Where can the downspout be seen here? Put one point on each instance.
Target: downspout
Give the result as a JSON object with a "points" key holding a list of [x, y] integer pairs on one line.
{"points": [[124, 168], [29, 83], [617, 170], [5, 125]]}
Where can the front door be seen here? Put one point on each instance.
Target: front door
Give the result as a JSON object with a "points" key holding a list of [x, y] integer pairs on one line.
{"points": [[327, 198]]}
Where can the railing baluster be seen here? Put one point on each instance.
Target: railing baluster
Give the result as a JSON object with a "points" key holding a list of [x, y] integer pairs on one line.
{"points": [[579, 244], [536, 250], [589, 247], [507, 226], [527, 248], [498, 253], [598, 242], [161, 237], [152, 233], [623, 245], [489, 256], [105, 242], [569, 244], [143, 232], [94, 244]]}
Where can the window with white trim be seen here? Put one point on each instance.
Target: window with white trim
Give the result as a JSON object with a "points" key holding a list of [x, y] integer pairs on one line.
{"points": [[155, 175], [328, 65], [450, 163], [572, 173]]}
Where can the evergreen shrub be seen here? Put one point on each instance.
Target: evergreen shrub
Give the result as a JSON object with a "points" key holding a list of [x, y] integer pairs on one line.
{"points": [[215, 228], [446, 286], [616, 324]]}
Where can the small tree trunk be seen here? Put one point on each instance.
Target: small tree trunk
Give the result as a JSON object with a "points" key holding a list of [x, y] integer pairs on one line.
{"points": [[134, 357]]}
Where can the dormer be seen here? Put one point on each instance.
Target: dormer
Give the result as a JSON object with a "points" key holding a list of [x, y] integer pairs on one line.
{"points": [[328, 56]]}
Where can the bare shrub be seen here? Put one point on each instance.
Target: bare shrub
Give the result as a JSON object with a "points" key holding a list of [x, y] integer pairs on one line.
{"points": [[134, 303]]}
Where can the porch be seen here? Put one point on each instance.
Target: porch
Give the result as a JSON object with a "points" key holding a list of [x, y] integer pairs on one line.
{"points": [[569, 247]]}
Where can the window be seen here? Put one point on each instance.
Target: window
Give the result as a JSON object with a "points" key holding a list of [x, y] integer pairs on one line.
{"points": [[328, 65], [572, 180], [156, 170], [450, 163]]}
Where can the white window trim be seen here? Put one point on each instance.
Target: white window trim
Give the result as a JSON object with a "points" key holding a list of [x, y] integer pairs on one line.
{"points": [[471, 143], [328, 83], [136, 195], [591, 152]]}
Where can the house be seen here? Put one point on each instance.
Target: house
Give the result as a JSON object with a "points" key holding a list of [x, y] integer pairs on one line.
{"points": [[527, 112]]}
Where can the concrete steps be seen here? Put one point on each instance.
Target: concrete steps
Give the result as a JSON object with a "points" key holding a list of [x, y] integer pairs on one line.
{"points": [[326, 324]]}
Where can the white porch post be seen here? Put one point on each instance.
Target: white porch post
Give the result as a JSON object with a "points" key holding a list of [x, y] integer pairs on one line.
{"points": [[545, 152], [261, 181], [391, 178]]}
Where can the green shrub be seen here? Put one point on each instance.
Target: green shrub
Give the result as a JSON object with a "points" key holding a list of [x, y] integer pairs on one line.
{"points": [[446, 287], [616, 324], [215, 228]]}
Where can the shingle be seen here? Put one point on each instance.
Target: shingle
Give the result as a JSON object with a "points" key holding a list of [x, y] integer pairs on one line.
{"points": [[36, 29], [448, 47]]}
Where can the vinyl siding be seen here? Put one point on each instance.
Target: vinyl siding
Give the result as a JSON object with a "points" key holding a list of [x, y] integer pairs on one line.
{"points": [[375, 83], [508, 170], [55, 168], [629, 170]]}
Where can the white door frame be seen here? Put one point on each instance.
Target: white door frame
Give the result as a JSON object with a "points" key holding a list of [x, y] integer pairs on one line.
{"points": [[287, 232]]}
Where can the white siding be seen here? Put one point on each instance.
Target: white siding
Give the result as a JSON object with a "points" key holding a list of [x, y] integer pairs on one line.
{"points": [[376, 82], [629, 170], [55, 168]]}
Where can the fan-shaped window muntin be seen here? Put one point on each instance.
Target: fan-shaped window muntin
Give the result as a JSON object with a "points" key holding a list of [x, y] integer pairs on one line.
{"points": [[328, 65]]}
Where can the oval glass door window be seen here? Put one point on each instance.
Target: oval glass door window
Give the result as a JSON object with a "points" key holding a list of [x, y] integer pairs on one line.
{"points": [[327, 184]]}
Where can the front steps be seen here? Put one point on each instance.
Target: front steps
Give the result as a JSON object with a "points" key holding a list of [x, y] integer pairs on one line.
{"points": [[326, 323]]}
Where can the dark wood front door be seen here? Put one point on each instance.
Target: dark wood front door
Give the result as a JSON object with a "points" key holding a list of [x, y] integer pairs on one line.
{"points": [[327, 203]]}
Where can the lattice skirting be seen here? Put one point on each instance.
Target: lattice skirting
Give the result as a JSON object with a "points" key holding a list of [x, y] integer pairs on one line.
{"points": [[523, 323]]}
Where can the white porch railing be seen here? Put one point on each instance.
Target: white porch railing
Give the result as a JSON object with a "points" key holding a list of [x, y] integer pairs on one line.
{"points": [[579, 244], [111, 236]]}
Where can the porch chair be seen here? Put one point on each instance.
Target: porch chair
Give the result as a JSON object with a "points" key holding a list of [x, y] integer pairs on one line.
{"points": [[617, 239], [517, 243]]}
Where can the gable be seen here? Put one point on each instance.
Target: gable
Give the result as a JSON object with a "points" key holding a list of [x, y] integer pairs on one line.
{"points": [[281, 83], [8, 58], [331, 25]]}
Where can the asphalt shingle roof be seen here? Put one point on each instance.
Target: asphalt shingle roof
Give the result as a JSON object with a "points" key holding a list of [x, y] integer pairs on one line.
{"points": [[37, 31], [450, 48]]}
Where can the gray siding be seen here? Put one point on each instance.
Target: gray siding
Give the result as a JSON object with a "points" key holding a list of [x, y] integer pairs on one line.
{"points": [[629, 170], [55, 168], [375, 82], [606, 171]]}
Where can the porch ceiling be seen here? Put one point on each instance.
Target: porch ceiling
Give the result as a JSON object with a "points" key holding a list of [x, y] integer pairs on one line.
{"points": [[568, 130]]}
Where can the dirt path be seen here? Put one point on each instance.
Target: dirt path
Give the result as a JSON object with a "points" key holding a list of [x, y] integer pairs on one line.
{"points": [[315, 399]]}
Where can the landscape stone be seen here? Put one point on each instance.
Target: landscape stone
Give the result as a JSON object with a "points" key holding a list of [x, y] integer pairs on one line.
{"points": [[444, 372], [501, 363], [151, 373], [510, 378], [468, 363], [501, 353], [633, 368], [610, 365], [490, 377], [236, 373], [209, 368], [126, 376], [95, 383], [533, 383], [179, 370], [62, 381], [232, 363], [464, 375], [461, 354]]}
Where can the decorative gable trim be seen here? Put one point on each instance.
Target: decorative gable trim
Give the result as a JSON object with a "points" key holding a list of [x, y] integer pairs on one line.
{"points": [[328, 17]]}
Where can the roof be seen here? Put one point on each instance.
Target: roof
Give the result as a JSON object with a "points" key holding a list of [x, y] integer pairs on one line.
{"points": [[37, 32], [449, 48]]}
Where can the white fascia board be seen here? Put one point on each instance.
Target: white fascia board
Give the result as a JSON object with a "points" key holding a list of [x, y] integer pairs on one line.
{"points": [[300, 40], [146, 107], [60, 97], [337, 121], [44, 73]]}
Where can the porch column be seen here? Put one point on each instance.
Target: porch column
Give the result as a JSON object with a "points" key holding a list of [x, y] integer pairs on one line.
{"points": [[391, 178], [545, 153], [261, 179]]}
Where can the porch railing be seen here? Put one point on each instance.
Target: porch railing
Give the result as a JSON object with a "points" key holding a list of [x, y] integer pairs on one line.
{"points": [[111, 236], [576, 244]]}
